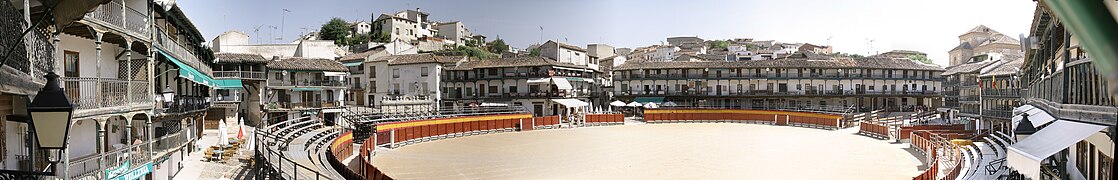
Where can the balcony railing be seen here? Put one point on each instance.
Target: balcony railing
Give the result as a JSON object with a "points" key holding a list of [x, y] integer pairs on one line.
{"points": [[318, 83], [90, 166], [239, 75], [1001, 92], [304, 105], [968, 98], [997, 113], [107, 94], [115, 14], [30, 59], [164, 42], [183, 104]]}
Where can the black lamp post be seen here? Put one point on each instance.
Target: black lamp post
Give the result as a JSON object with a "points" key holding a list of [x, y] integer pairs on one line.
{"points": [[50, 117]]}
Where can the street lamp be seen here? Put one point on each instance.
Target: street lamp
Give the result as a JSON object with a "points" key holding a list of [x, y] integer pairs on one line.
{"points": [[168, 94], [50, 117], [51, 112], [1024, 128]]}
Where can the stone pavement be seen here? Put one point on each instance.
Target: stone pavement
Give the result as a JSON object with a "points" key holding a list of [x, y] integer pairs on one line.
{"points": [[233, 168]]}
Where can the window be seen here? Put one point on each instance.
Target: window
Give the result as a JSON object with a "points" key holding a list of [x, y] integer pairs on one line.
{"points": [[423, 88], [396, 88], [395, 73], [423, 71], [279, 76], [71, 62], [373, 86], [493, 90], [372, 72], [512, 89]]}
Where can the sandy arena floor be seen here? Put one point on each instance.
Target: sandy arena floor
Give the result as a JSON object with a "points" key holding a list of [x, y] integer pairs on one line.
{"points": [[655, 151]]}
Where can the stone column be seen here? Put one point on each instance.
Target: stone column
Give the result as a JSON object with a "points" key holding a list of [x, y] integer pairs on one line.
{"points": [[97, 82], [101, 145]]}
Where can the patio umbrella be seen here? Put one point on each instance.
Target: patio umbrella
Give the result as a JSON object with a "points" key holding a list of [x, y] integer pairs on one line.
{"points": [[651, 105], [617, 103], [669, 103], [634, 104], [222, 132]]}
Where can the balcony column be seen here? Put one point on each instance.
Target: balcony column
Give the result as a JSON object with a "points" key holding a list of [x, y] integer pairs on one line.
{"points": [[128, 136], [101, 147], [151, 143], [128, 70], [97, 34]]}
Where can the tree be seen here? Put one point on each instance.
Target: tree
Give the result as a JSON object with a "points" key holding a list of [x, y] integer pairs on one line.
{"points": [[380, 36], [336, 29], [921, 58], [498, 46], [472, 52], [719, 44], [359, 38], [535, 52]]}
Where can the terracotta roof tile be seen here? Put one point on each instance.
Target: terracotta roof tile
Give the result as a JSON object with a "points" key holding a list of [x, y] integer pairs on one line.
{"points": [[227, 57], [307, 64]]}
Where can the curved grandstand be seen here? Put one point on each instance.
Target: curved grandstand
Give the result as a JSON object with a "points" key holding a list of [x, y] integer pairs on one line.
{"points": [[303, 149]]}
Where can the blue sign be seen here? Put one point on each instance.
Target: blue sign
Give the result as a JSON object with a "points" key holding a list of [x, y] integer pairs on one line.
{"points": [[122, 172]]}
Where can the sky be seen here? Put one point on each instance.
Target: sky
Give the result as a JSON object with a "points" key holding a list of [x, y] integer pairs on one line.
{"points": [[851, 26]]}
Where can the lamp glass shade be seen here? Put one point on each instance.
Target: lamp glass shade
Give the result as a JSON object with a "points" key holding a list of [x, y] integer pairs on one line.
{"points": [[51, 128], [168, 95]]}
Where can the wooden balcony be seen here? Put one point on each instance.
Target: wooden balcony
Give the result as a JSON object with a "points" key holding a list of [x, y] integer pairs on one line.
{"points": [[248, 75], [125, 19], [93, 96], [164, 42]]}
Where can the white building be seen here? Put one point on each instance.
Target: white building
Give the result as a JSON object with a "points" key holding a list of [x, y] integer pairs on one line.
{"points": [[406, 82], [234, 41], [455, 31], [407, 25], [663, 53], [360, 27], [302, 87], [566, 53]]}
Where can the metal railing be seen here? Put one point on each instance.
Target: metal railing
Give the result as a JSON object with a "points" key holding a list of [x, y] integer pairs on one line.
{"points": [[708, 92], [32, 55], [115, 14], [315, 83], [165, 43], [1001, 92], [279, 162], [239, 74], [183, 104], [87, 93]]}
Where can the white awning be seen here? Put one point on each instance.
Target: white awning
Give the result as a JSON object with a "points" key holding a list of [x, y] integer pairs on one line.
{"points": [[328, 73], [562, 83], [571, 102], [634, 104], [1036, 115], [617, 103], [539, 81], [1025, 156]]}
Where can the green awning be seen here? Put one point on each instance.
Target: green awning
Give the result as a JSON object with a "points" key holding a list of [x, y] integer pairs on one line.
{"points": [[306, 89], [644, 100], [185, 71], [350, 64], [229, 84]]}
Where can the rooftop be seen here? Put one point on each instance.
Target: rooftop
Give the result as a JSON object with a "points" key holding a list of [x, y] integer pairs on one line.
{"points": [[227, 57], [795, 61], [307, 64], [512, 62]]}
